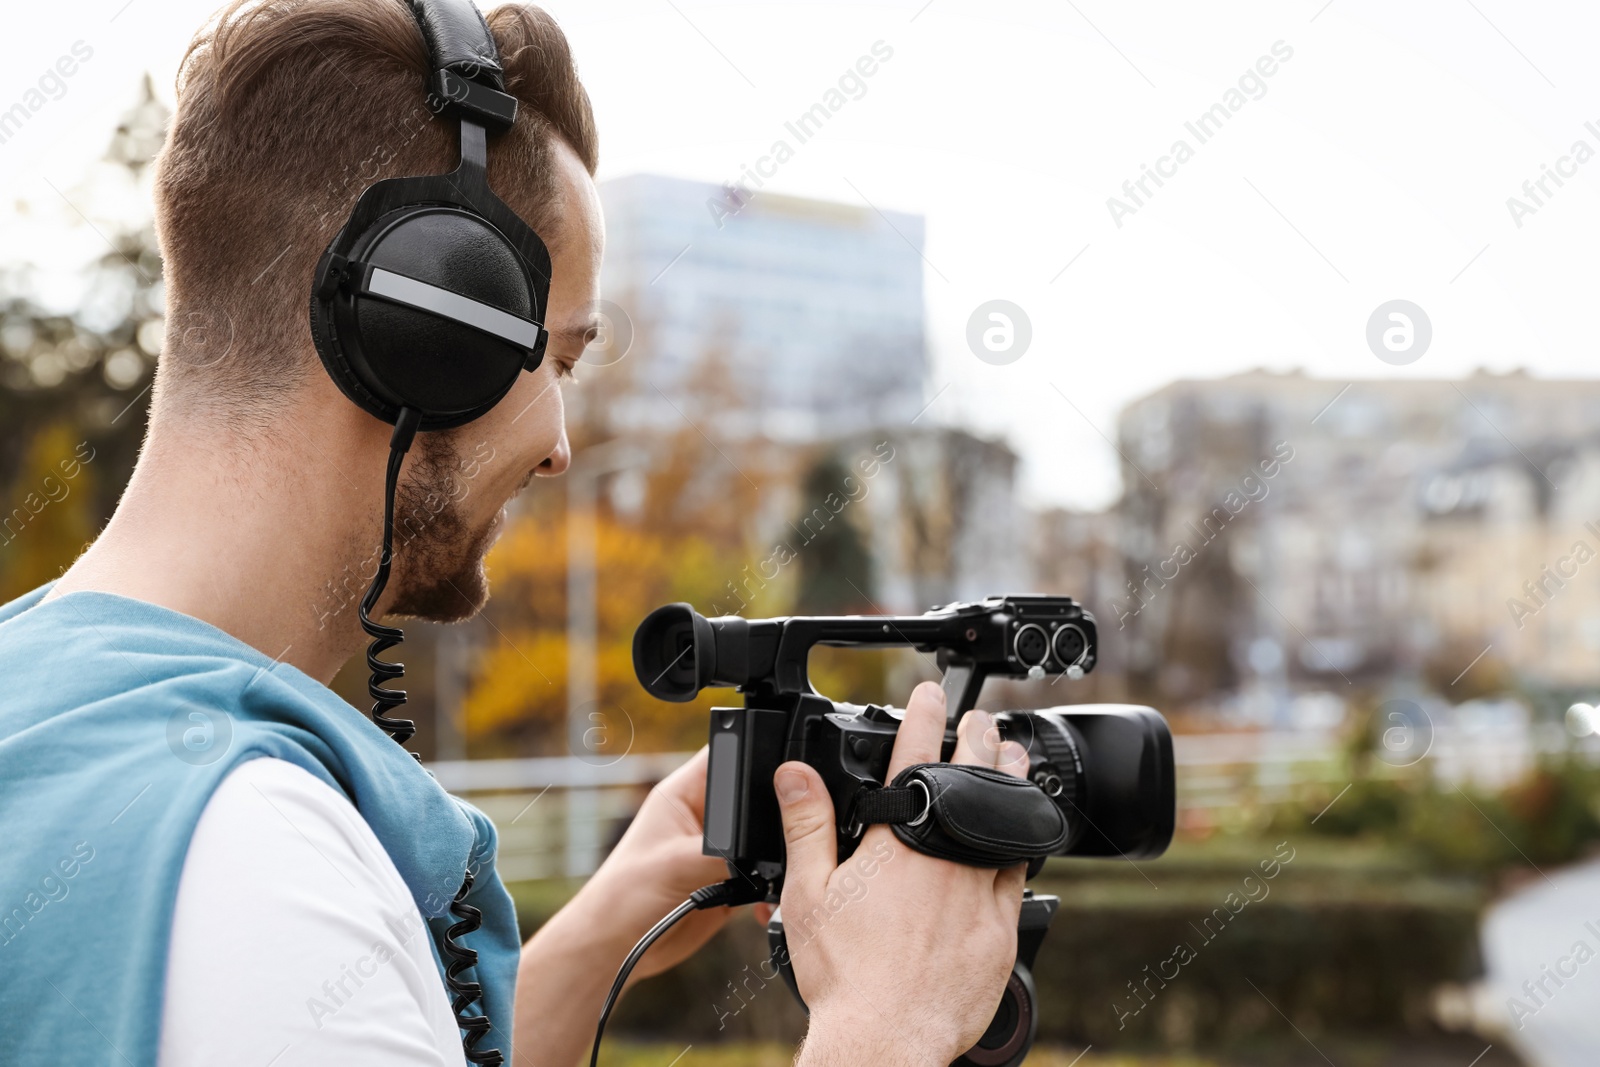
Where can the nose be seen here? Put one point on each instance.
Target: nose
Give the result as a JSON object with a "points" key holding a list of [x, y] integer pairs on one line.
{"points": [[559, 459]]}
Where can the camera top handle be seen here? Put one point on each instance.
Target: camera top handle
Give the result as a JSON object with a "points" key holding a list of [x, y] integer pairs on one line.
{"points": [[677, 651]]}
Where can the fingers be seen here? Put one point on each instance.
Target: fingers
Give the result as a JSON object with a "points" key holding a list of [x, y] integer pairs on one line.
{"points": [[687, 784], [977, 740], [921, 735], [1013, 759], [808, 828], [763, 913], [1008, 885], [683, 857]]}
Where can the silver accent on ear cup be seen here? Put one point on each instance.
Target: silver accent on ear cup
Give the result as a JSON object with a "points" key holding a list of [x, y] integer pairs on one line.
{"points": [[400, 289]]}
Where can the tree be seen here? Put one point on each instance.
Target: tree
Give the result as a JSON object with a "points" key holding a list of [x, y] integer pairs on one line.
{"points": [[75, 382], [835, 566], [517, 700]]}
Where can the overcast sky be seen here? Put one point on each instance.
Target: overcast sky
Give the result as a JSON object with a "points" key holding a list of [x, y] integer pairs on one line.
{"points": [[1373, 164]]}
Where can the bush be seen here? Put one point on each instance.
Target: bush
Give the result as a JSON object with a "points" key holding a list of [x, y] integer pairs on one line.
{"points": [[1369, 806], [1549, 818], [1339, 951]]}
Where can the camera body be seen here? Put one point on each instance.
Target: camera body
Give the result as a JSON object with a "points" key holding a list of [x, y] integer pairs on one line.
{"points": [[1108, 767]]}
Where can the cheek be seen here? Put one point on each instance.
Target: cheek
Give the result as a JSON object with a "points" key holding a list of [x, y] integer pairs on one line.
{"points": [[535, 401], [521, 431]]}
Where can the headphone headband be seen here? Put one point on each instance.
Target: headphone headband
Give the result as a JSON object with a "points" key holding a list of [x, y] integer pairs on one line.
{"points": [[465, 61], [432, 297], [458, 39]]}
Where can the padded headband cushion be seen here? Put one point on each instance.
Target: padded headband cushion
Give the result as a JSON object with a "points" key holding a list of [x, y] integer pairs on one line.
{"points": [[458, 39]]}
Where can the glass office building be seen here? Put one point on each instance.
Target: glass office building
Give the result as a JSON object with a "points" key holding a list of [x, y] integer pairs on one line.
{"points": [[804, 316]]}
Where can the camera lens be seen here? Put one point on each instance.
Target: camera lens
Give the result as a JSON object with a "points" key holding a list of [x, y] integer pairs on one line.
{"points": [[1003, 1025], [1010, 1034], [1032, 644], [1069, 644]]}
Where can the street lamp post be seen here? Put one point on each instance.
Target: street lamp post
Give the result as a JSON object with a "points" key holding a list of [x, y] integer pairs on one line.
{"points": [[583, 486]]}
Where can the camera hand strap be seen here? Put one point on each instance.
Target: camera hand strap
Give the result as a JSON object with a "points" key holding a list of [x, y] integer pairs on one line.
{"points": [[969, 814]]}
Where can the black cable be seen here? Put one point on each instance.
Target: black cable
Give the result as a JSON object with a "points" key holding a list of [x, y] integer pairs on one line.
{"points": [[732, 892], [384, 700], [474, 1027], [383, 637]]}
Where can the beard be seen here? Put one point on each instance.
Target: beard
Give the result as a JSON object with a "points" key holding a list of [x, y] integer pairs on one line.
{"points": [[439, 573]]}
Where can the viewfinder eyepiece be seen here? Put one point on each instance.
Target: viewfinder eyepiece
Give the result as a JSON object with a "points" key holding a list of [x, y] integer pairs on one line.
{"points": [[674, 653]]}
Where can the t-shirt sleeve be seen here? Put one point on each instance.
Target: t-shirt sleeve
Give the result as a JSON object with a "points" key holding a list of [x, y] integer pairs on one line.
{"points": [[295, 941]]}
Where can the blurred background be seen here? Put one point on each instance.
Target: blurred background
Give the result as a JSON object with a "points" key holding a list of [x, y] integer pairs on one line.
{"points": [[1264, 332]]}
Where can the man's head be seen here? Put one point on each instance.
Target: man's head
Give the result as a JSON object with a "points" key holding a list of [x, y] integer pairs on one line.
{"points": [[287, 111]]}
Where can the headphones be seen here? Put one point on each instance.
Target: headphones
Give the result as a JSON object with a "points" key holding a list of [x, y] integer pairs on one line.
{"points": [[425, 308], [431, 298]]}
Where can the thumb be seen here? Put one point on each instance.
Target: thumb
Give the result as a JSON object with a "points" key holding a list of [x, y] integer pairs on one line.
{"points": [[808, 829]]}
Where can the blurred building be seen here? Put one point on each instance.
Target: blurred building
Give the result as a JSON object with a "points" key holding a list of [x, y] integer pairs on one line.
{"points": [[1078, 554], [805, 314], [936, 510], [946, 524], [1280, 532]]}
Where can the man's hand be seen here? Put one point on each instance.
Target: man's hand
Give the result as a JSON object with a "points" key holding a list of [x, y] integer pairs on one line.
{"points": [[655, 867], [901, 958], [568, 966]]}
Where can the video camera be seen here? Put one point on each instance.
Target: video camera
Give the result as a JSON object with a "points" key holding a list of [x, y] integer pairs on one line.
{"points": [[1107, 767]]}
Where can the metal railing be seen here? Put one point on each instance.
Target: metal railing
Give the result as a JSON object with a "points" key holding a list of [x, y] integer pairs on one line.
{"points": [[558, 816], [1234, 770]]}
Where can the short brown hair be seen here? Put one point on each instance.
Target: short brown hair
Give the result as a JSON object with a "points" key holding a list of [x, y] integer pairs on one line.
{"points": [[287, 110]]}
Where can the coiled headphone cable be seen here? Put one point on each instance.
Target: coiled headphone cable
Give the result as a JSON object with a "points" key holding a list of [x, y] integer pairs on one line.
{"points": [[383, 637], [464, 992]]}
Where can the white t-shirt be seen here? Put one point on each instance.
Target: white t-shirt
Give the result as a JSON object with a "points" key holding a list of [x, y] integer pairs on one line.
{"points": [[295, 941]]}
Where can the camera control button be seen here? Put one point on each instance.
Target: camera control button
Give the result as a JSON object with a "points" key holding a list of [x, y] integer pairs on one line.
{"points": [[877, 713]]}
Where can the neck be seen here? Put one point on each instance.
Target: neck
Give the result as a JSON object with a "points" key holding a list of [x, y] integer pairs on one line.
{"points": [[270, 538]]}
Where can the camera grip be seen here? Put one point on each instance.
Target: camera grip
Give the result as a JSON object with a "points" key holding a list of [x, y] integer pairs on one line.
{"points": [[969, 814]]}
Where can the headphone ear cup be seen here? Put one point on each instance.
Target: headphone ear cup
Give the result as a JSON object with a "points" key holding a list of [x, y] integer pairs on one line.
{"points": [[386, 355], [333, 360]]}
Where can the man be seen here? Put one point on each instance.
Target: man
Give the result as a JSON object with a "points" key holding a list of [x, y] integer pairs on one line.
{"points": [[216, 861]]}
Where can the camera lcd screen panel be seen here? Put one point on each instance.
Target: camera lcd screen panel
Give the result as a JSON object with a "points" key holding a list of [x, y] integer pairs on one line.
{"points": [[722, 791]]}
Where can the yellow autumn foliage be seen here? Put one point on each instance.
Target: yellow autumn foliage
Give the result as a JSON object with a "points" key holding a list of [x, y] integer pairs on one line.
{"points": [[46, 514], [517, 697]]}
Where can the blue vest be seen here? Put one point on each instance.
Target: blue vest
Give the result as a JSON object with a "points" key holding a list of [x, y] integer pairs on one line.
{"points": [[118, 719]]}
